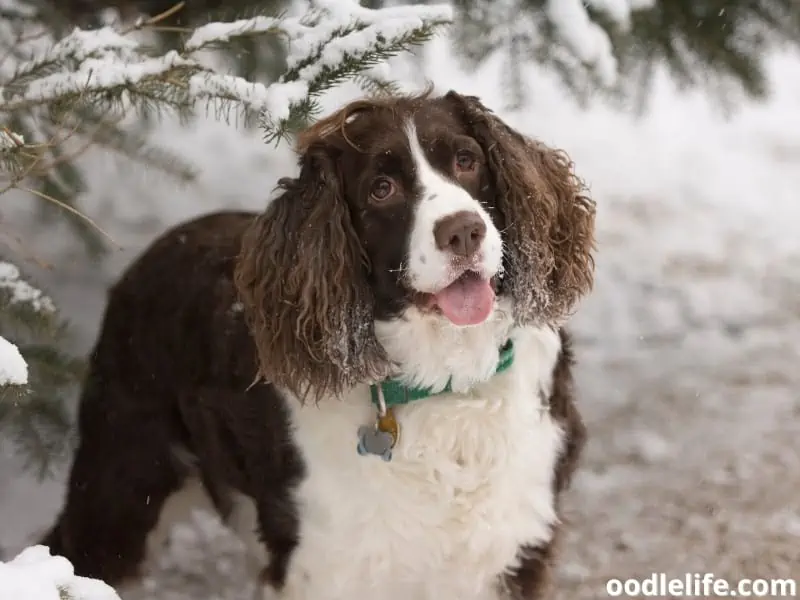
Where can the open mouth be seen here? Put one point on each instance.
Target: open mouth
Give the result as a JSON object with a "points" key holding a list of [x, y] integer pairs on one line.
{"points": [[468, 300]]}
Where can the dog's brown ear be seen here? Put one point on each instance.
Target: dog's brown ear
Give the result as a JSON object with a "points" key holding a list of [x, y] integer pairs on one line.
{"points": [[549, 217], [301, 277]]}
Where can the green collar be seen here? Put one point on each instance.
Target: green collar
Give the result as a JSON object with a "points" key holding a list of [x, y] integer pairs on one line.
{"points": [[395, 393]]}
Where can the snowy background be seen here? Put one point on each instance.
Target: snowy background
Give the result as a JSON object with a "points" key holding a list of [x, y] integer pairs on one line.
{"points": [[688, 347]]}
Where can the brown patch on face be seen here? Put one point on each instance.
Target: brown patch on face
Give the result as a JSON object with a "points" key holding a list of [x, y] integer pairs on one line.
{"points": [[549, 236]]}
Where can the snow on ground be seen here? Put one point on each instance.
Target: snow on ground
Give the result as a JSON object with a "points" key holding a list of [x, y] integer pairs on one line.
{"points": [[687, 348], [37, 575]]}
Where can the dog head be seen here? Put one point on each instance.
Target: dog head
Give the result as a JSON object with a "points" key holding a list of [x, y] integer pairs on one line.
{"points": [[419, 232]]}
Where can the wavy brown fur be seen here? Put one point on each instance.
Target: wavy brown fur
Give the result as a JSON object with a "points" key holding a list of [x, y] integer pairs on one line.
{"points": [[301, 276], [333, 129], [302, 272], [550, 219]]}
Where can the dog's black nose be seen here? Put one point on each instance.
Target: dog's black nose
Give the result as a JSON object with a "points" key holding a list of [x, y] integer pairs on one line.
{"points": [[461, 233]]}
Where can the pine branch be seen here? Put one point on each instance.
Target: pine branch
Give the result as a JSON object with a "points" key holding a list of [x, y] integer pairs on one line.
{"points": [[24, 304], [718, 46], [34, 419], [102, 75], [34, 373], [38, 427], [375, 84], [326, 47], [347, 50]]}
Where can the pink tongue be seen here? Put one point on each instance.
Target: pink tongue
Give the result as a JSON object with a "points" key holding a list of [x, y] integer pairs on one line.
{"points": [[467, 301]]}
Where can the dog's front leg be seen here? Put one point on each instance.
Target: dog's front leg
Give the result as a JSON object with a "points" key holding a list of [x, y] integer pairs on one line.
{"points": [[532, 579]]}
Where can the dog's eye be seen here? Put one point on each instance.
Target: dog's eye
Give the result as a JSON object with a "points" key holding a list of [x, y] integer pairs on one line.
{"points": [[465, 161], [382, 189]]}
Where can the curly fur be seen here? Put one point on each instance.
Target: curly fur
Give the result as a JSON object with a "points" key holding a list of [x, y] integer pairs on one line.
{"points": [[550, 219], [301, 277]]}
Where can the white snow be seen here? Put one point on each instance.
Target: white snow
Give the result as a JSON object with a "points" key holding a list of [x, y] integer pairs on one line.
{"points": [[108, 60], [275, 99], [213, 33], [10, 139], [96, 75], [388, 22], [307, 44], [17, 8], [620, 10], [81, 44], [20, 291], [687, 349], [348, 9], [587, 39], [13, 368], [36, 575]]}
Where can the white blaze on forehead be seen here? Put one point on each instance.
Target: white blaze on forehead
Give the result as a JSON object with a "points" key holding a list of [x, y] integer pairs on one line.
{"points": [[429, 268]]}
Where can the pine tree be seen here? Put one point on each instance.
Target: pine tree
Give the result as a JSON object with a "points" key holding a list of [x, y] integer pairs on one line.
{"points": [[34, 416], [63, 96], [612, 47], [716, 45]]}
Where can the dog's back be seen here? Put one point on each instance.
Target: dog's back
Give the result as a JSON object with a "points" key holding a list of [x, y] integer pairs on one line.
{"points": [[164, 394], [171, 302]]}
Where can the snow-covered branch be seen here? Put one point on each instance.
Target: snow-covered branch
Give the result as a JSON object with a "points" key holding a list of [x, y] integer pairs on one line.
{"points": [[578, 40], [22, 301], [33, 373], [37, 575], [107, 70], [15, 292], [587, 40]]}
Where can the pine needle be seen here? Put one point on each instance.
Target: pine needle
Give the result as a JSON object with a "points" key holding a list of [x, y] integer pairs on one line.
{"points": [[70, 209]]}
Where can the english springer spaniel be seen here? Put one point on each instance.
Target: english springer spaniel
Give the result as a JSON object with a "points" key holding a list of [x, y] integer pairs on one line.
{"points": [[370, 380]]}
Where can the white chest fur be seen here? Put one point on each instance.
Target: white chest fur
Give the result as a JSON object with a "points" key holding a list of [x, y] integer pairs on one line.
{"points": [[469, 484]]}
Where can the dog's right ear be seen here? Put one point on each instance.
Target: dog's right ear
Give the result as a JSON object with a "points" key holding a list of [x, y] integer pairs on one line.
{"points": [[550, 217], [301, 275]]}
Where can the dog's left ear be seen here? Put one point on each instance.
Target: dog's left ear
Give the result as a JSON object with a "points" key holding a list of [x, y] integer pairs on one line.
{"points": [[549, 217], [301, 276]]}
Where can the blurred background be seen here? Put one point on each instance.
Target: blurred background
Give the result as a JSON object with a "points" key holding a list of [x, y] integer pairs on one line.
{"points": [[683, 116]]}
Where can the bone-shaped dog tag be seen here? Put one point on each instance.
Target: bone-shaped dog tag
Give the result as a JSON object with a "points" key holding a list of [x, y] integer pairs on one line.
{"points": [[380, 438]]}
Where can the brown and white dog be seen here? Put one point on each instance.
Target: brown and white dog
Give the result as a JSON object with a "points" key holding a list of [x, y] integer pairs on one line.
{"points": [[370, 380]]}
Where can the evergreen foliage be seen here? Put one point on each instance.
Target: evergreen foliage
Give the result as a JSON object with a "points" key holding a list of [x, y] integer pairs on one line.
{"points": [[33, 417], [717, 46]]}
